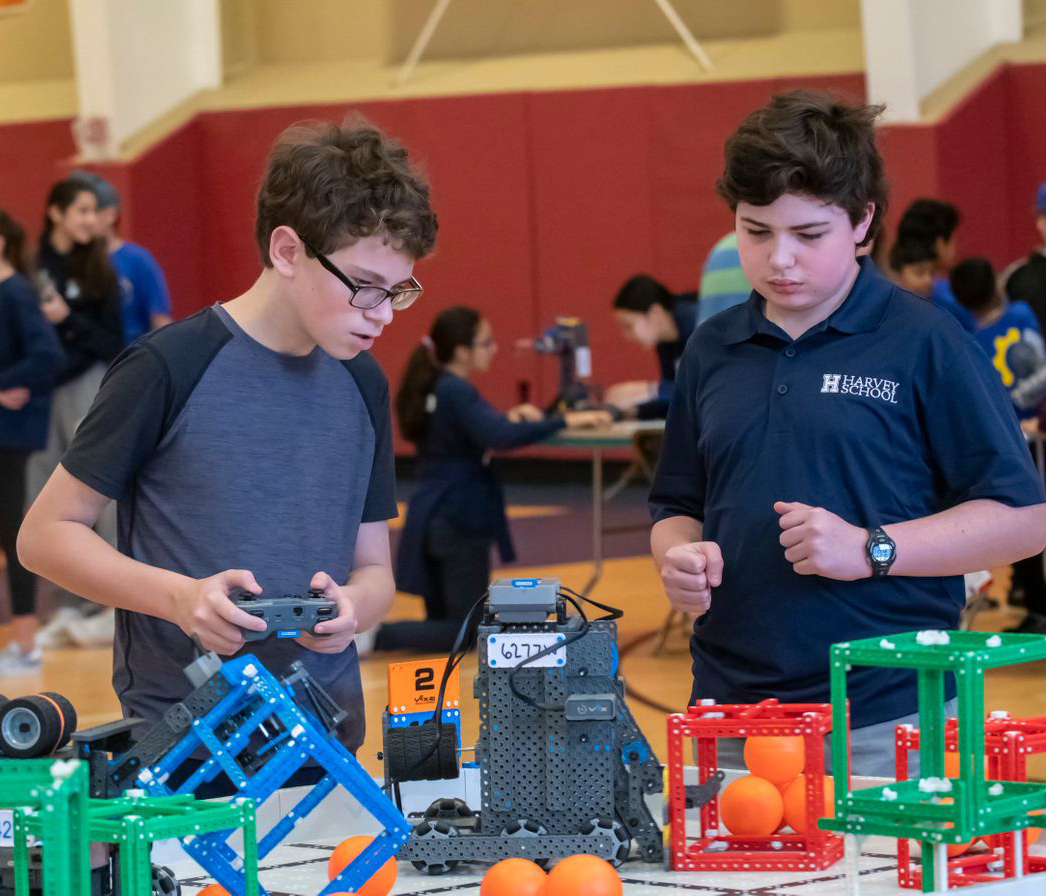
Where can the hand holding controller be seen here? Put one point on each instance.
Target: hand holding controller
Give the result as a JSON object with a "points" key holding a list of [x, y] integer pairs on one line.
{"points": [[287, 616]]}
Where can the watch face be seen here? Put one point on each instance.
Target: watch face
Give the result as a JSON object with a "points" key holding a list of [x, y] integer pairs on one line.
{"points": [[882, 553]]}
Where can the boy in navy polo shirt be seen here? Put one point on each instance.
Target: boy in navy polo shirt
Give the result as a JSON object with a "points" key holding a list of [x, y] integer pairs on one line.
{"points": [[249, 445], [838, 452]]}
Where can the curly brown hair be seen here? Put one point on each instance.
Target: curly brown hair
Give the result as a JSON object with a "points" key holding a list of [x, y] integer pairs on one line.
{"points": [[333, 184], [808, 142]]}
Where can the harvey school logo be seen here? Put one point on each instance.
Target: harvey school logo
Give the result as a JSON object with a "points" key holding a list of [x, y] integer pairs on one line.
{"points": [[868, 386]]}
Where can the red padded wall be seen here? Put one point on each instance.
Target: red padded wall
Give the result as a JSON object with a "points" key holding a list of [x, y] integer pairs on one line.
{"points": [[1025, 136], [593, 212], [32, 156], [973, 169], [163, 209], [547, 201]]}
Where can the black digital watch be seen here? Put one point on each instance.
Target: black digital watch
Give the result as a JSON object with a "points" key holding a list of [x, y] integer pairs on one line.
{"points": [[881, 552]]}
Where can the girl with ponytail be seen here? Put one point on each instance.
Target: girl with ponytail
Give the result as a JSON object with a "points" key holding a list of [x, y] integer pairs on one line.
{"points": [[457, 510]]}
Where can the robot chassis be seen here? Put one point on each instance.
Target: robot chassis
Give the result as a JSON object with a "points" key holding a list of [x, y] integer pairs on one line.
{"points": [[564, 769]]}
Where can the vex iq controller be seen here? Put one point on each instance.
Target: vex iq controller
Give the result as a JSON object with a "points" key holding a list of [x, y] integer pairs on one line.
{"points": [[286, 616]]}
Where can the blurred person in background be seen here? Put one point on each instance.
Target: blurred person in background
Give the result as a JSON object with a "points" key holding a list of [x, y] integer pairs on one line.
{"points": [[145, 299], [1025, 279], [30, 357], [80, 296], [653, 317], [457, 511]]}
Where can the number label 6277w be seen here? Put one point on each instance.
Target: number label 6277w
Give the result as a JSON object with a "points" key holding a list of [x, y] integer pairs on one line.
{"points": [[508, 651]]}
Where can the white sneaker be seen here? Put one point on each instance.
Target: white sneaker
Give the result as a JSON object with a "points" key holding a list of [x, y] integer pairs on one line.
{"points": [[96, 630], [14, 663], [56, 632], [365, 641]]}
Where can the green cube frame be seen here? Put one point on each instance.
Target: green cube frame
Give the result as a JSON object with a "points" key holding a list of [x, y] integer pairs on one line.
{"points": [[50, 802], [914, 809], [51, 795], [134, 822]]}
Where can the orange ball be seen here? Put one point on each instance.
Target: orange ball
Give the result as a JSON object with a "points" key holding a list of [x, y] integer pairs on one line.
{"points": [[951, 765], [583, 876], [781, 789], [751, 807], [213, 890], [955, 849], [795, 803], [778, 759], [379, 883], [1032, 834], [513, 877]]}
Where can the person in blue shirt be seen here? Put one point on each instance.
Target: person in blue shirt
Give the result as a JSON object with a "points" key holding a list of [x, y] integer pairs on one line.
{"points": [[30, 358], [1008, 332], [838, 452], [457, 510], [145, 299], [650, 315], [913, 264]]}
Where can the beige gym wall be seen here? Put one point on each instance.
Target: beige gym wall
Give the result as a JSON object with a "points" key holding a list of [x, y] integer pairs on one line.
{"points": [[276, 32], [35, 42]]}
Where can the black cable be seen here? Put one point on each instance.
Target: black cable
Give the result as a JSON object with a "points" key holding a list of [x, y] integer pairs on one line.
{"points": [[462, 642], [530, 701], [612, 612], [569, 595]]}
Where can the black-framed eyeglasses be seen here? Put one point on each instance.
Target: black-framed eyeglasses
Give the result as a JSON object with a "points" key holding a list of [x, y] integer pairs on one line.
{"points": [[369, 296]]}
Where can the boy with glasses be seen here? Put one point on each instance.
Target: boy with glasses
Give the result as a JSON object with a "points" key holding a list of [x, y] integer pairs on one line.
{"points": [[249, 446]]}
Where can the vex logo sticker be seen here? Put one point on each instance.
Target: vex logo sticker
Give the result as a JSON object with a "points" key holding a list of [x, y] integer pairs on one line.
{"points": [[868, 386]]}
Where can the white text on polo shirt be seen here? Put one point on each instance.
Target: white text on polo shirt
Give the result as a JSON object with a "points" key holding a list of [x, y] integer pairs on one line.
{"points": [[869, 386]]}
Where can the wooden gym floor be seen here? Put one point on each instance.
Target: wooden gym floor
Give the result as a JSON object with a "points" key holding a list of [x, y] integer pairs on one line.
{"points": [[629, 582]]}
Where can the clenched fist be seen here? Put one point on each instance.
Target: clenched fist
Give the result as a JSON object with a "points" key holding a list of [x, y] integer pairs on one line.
{"points": [[819, 543], [689, 573]]}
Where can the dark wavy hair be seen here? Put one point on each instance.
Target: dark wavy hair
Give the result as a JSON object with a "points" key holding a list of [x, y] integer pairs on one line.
{"points": [[928, 219], [13, 236], [333, 184], [911, 250], [451, 328], [87, 263], [807, 142], [642, 291], [974, 285]]}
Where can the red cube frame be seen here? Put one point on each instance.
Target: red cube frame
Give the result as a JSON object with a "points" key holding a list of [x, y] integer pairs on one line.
{"points": [[714, 851], [1007, 744]]}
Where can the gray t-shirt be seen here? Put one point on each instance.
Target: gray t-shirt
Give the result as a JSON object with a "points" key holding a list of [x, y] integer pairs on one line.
{"points": [[223, 454]]}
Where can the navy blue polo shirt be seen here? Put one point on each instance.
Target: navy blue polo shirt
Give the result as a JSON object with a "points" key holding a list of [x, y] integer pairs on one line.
{"points": [[886, 411]]}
